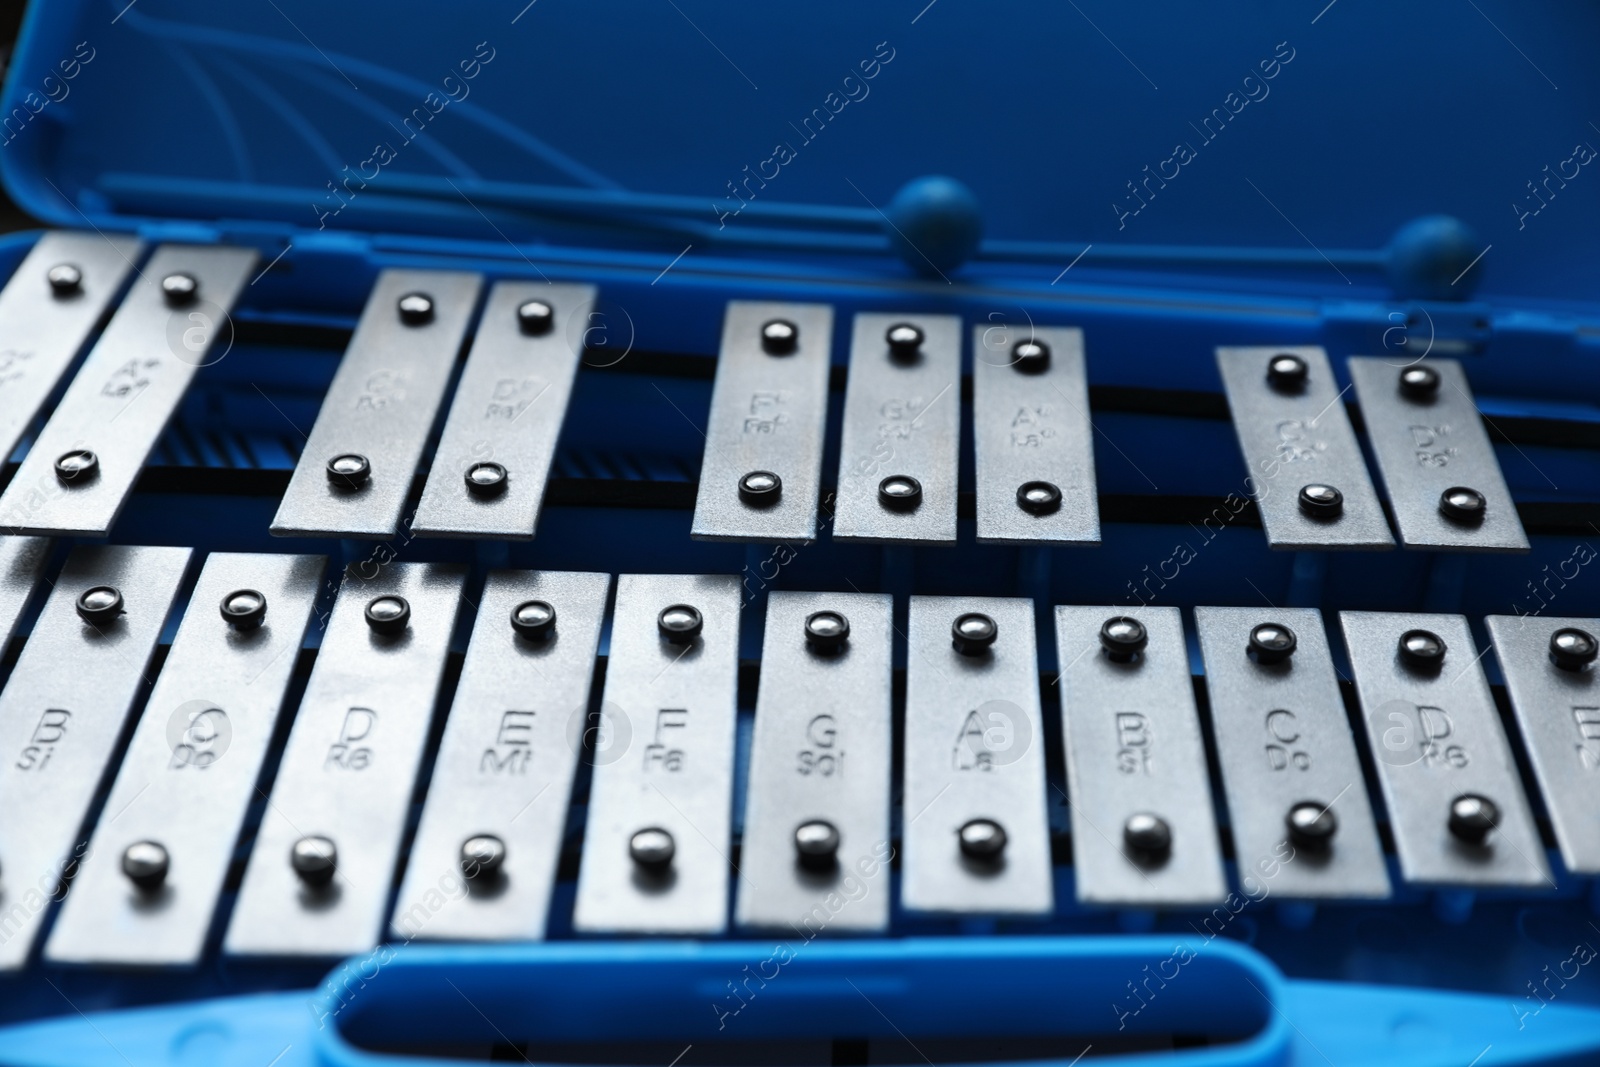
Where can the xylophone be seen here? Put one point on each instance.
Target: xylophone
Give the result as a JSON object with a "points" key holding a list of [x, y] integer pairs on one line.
{"points": [[526, 609], [245, 765]]}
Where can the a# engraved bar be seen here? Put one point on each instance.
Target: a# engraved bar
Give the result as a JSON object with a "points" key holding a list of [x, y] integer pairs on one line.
{"points": [[760, 477], [1455, 800], [62, 712], [975, 822], [656, 850], [1035, 444], [1302, 822], [484, 860], [1306, 471], [48, 310], [902, 431], [174, 320], [816, 846], [322, 868], [355, 472], [148, 888], [489, 472], [1143, 828]]}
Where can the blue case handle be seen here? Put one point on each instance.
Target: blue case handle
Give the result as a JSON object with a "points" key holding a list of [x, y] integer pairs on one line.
{"points": [[418, 996]]}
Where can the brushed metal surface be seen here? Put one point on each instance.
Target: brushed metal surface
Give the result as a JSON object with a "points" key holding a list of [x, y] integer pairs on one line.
{"points": [[44, 331], [1033, 427], [1283, 739], [768, 413], [1423, 447], [1558, 712], [126, 392], [1134, 746], [61, 714], [381, 405], [1434, 736], [506, 763], [900, 417], [822, 750], [349, 769], [665, 760], [1295, 439], [190, 771], [974, 749], [508, 409]]}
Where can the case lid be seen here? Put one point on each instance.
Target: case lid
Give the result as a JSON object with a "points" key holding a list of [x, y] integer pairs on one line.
{"points": [[1234, 144]]}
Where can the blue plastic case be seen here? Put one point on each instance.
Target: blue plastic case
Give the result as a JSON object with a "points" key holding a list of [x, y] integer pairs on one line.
{"points": [[1168, 177]]}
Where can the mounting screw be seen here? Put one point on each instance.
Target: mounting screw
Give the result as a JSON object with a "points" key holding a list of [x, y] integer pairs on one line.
{"points": [[680, 623], [982, 839], [1419, 382], [1271, 642], [1038, 498], [65, 279], [244, 609], [179, 288], [816, 845], [314, 859], [760, 489], [1123, 638], [77, 466], [388, 614], [1422, 650], [1462, 504], [827, 631], [1311, 824], [99, 605], [1573, 649], [1472, 817], [349, 470], [534, 619], [905, 340], [973, 633], [1321, 501], [1287, 373], [1147, 836], [780, 337], [535, 317], [146, 864], [652, 848], [482, 856], [416, 309], [487, 479], [900, 492], [1030, 357]]}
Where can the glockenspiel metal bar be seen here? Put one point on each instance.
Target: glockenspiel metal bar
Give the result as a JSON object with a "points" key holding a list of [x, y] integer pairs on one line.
{"points": [[816, 850], [1306, 471], [48, 310], [1430, 445], [1033, 437], [1297, 802], [62, 713], [320, 872], [190, 771], [1144, 831], [355, 472], [656, 850], [493, 461], [761, 474], [84, 463], [974, 818], [483, 864], [902, 431], [1548, 664], [1455, 800]]}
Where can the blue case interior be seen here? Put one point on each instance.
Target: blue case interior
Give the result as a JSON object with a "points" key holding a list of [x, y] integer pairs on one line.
{"points": [[641, 147]]}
